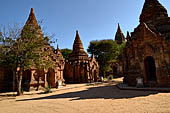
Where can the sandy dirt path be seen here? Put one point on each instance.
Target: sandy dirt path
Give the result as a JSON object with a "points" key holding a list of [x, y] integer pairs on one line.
{"points": [[101, 98]]}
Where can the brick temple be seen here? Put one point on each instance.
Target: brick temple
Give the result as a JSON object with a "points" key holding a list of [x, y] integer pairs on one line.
{"points": [[33, 78], [147, 51], [80, 68]]}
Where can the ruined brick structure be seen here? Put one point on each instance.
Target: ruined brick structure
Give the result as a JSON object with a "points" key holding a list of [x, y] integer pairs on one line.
{"points": [[33, 78], [80, 68], [147, 51]]}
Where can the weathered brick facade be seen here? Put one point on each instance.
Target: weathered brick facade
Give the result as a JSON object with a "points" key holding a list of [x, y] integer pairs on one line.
{"points": [[147, 51]]}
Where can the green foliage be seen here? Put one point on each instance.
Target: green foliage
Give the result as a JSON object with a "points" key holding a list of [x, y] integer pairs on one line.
{"points": [[66, 52], [48, 89], [110, 77], [105, 51], [7, 40], [22, 90], [121, 47]]}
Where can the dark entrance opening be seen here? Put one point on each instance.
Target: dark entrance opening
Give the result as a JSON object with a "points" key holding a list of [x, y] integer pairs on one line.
{"points": [[150, 69], [26, 80], [95, 76], [51, 78], [114, 69]]}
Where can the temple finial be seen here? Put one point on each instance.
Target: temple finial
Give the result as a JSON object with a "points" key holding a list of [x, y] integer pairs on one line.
{"points": [[58, 47], [118, 29], [32, 10], [77, 32], [32, 19]]}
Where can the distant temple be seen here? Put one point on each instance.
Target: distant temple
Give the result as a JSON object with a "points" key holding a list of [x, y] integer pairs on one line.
{"points": [[119, 37], [117, 70], [34, 78], [80, 68], [147, 51]]}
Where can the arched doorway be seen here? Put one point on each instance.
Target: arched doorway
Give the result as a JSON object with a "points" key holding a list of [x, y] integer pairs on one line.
{"points": [[150, 69], [51, 78]]}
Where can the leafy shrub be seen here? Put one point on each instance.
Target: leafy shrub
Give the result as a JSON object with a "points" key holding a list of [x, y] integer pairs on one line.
{"points": [[48, 89], [110, 77]]}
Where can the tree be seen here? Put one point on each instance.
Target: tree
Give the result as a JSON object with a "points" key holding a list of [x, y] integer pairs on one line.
{"points": [[66, 52], [7, 39], [27, 50], [105, 51]]}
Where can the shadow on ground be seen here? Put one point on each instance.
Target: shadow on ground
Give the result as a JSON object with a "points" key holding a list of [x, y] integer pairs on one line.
{"points": [[108, 91]]}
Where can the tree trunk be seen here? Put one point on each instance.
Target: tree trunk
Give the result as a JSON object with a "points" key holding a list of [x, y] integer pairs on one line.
{"points": [[14, 77], [19, 90]]}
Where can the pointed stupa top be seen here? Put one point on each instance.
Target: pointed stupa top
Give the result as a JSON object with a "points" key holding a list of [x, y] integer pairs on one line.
{"points": [[77, 43], [118, 29], [32, 19], [119, 37], [78, 49], [128, 36], [152, 10], [58, 52], [32, 26]]}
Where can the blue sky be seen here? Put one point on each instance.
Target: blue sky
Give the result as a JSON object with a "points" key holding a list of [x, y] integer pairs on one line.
{"points": [[95, 19]]}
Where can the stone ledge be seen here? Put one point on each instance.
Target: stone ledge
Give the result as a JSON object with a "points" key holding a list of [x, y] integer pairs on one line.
{"points": [[159, 89]]}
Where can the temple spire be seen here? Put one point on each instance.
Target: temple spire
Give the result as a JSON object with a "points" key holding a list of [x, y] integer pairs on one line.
{"points": [[119, 37], [32, 26], [58, 52], [77, 38], [152, 10], [128, 36], [78, 49], [32, 19], [118, 29], [58, 49], [77, 43]]}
